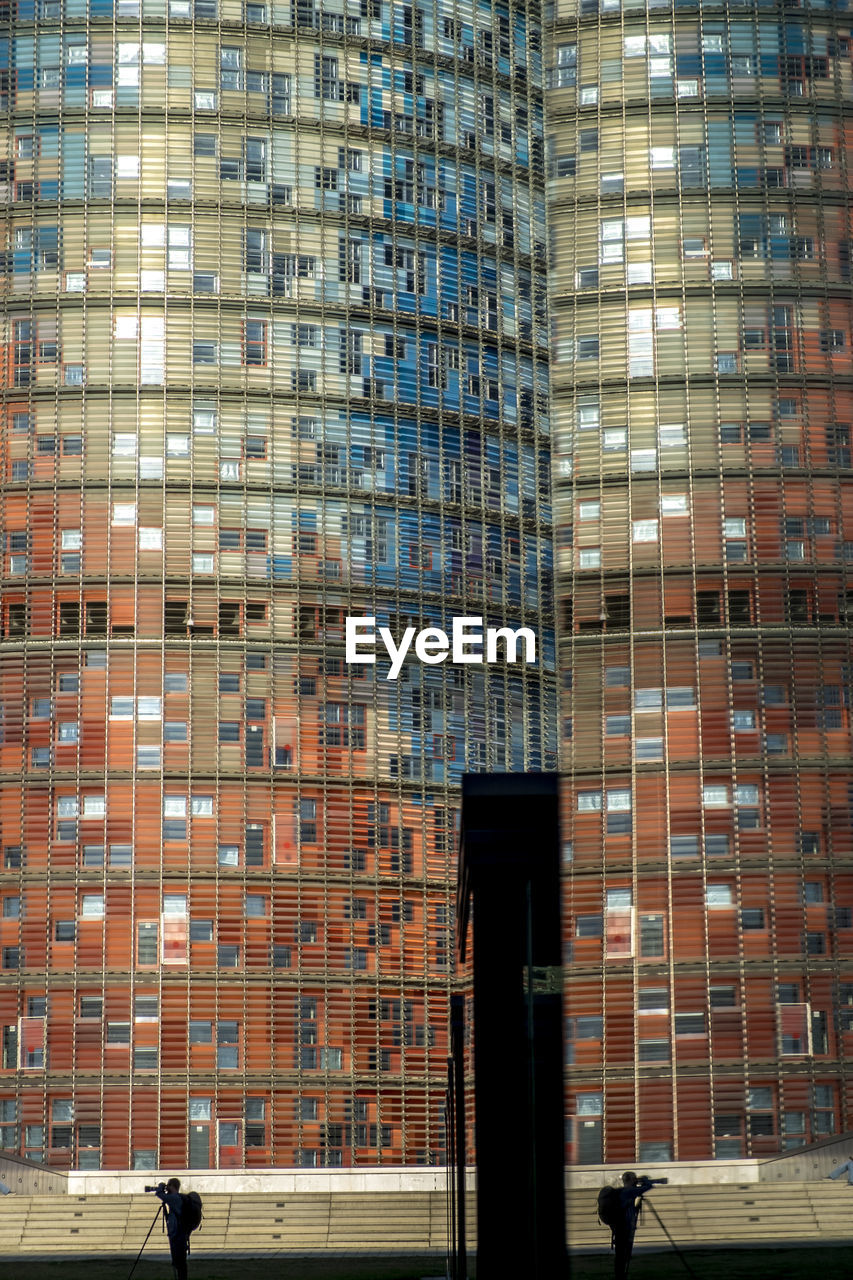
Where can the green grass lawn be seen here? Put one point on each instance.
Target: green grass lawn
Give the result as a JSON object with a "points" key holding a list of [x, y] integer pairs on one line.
{"points": [[811, 1263], [158, 1267], [827, 1263]]}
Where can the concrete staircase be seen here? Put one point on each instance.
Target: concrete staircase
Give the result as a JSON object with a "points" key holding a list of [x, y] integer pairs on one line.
{"points": [[415, 1222], [343, 1222], [746, 1213]]}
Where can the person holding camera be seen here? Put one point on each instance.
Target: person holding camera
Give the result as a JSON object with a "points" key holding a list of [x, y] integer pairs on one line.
{"points": [[170, 1193], [625, 1223]]}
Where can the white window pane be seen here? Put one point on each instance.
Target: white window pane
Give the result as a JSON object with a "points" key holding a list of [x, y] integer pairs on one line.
{"points": [[673, 504], [645, 531], [589, 801], [663, 157], [719, 895], [590, 558], [126, 327], [124, 513], [152, 281], [127, 166]]}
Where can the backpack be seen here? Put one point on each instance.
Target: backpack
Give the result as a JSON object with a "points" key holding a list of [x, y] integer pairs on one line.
{"points": [[191, 1214], [609, 1207]]}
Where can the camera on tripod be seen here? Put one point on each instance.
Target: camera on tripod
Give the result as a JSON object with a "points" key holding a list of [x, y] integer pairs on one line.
{"points": [[161, 1186]]}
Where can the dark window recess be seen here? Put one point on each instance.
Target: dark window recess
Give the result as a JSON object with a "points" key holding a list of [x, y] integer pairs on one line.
{"points": [[708, 608], [820, 1038], [618, 611], [175, 618], [17, 620], [651, 936], [256, 756], [307, 621], [229, 619], [254, 846], [740, 608], [96, 617], [798, 605], [69, 618]]}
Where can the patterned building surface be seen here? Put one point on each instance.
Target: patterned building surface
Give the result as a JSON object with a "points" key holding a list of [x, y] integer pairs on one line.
{"points": [[699, 163], [273, 353]]}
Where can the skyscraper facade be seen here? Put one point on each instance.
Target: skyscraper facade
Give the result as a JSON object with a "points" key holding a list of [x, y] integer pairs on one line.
{"points": [[274, 354], [699, 161]]}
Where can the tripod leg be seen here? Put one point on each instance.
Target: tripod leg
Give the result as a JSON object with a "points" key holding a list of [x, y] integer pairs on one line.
{"points": [[665, 1230], [144, 1243]]}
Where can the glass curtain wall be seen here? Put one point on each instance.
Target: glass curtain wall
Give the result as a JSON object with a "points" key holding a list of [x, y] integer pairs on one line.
{"points": [[274, 353], [698, 160]]}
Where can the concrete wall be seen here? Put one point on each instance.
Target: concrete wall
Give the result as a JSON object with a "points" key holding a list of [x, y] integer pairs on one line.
{"points": [[811, 1163], [706, 1173], [273, 1181], [25, 1178], [289, 1181]]}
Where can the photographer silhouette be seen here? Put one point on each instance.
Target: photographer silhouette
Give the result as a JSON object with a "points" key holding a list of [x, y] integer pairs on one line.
{"points": [[625, 1222], [170, 1193]]}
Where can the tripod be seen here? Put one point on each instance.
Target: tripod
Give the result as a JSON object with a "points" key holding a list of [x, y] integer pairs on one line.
{"points": [[144, 1242], [663, 1226]]}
